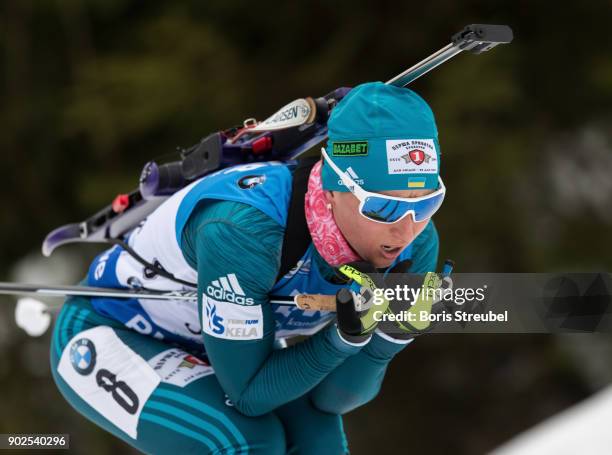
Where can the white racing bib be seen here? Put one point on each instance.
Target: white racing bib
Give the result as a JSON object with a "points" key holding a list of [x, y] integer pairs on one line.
{"points": [[109, 376]]}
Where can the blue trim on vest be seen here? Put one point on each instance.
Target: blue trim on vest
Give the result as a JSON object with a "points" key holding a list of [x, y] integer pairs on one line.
{"points": [[131, 311], [307, 279], [102, 270], [271, 195]]}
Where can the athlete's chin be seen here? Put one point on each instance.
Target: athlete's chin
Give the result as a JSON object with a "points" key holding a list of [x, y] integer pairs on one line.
{"points": [[383, 264], [378, 261], [376, 257]]}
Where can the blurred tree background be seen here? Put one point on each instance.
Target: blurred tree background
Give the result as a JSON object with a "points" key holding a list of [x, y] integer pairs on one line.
{"points": [[90, 90]]}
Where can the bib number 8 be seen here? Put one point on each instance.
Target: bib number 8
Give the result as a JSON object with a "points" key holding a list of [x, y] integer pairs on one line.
{"points": [[120, 391]]}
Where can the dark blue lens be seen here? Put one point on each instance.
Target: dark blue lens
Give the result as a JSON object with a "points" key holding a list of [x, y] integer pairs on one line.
{"points": [[389, 210]]}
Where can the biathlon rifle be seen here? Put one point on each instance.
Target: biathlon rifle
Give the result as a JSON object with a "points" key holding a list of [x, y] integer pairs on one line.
{"points": [[291, 132]]}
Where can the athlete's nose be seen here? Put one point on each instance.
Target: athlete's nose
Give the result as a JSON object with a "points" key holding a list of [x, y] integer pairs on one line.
{"points": [[404, 231]]}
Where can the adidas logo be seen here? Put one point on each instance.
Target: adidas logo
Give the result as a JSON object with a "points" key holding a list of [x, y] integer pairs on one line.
{"points": [[227, 288], [351, 172]]}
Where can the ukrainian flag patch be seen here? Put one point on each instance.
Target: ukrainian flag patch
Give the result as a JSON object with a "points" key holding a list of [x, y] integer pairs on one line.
{"points": [[416, 182]]}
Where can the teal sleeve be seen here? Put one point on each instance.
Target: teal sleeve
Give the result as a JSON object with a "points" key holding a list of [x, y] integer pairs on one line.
{"points": [[227, 238], [358, 380]]}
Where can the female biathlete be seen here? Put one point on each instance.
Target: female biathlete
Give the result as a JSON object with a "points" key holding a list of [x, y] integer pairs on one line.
{"points": [[176, 377]]}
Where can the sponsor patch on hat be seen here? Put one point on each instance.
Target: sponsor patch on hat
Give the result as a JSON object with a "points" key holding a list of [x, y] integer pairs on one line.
{"points": [[351, 148], [411, 156]]}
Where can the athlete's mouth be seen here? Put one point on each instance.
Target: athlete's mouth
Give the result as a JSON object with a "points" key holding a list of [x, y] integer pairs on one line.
{"points": [[390, 251]]}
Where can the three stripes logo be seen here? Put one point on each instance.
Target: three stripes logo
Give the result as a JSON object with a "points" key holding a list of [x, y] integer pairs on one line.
{"points": [[228, 289], [353, 175]]}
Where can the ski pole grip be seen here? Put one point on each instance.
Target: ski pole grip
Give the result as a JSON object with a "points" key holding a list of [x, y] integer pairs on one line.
{"points": [[161, 180], [315, 302]]}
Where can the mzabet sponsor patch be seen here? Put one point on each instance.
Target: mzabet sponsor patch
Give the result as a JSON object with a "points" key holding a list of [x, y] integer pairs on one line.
{"points": [[354, 148]]}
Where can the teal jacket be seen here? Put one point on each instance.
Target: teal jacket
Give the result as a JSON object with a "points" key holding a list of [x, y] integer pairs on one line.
{"points": [[225, 237]]}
